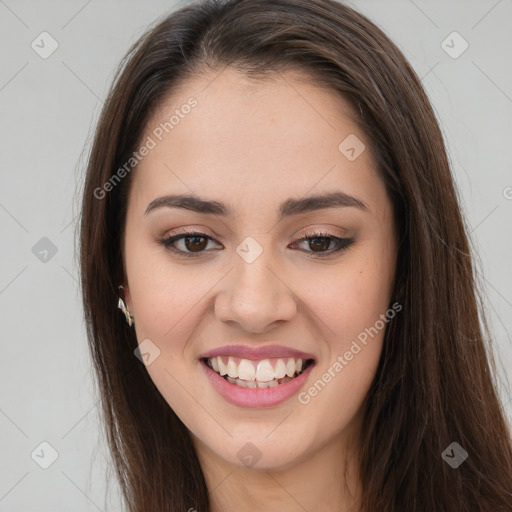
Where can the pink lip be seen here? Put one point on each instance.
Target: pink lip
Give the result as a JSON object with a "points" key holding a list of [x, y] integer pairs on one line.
{"points": [[256, 353], [255, 397]]}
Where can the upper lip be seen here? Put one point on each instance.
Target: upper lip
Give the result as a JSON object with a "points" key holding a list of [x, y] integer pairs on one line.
{"points": [[256, 353]]}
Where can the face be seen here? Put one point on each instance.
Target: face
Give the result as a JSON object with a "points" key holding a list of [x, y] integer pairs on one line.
{"points": [[262, 275]]}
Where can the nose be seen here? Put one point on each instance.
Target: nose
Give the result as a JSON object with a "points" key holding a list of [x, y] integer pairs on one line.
{"points": [[254, 297]]}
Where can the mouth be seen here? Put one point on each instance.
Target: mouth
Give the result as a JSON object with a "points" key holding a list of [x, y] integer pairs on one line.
{"points": [[257, 374]]}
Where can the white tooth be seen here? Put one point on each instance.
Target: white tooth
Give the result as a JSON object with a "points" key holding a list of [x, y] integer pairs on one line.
{"points": [[273, 384], [280, 369], [299, 365], [290, 367], [250, 384], [246, 370], [262, 384], [222, 367], [232, 368], [214, 363], [264, 372], [240, 383], [229, 379]]}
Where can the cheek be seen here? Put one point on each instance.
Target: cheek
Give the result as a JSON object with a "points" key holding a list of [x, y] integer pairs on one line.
{"points": [[165, 295], [351, 308], [353, 305], [337, 394], [349, 297]]}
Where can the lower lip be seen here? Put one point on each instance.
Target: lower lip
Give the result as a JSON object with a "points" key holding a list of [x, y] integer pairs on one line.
{"points": [[256, 397]]}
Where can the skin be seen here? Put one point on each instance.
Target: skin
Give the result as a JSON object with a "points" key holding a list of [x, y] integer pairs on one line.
{"points": [[253, 144]]}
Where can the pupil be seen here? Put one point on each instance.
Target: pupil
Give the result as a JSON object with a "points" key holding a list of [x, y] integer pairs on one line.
{"points": [[195, 245], [315, 241]]}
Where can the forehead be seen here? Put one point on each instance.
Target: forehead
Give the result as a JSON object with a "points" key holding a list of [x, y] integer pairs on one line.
{"points": [[253, 140]]}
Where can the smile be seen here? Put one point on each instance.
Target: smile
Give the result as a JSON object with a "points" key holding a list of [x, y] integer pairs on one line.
{"points": [[265, 373]]}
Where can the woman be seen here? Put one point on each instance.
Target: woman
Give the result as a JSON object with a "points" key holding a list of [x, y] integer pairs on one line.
{"points": [[269, 203]]}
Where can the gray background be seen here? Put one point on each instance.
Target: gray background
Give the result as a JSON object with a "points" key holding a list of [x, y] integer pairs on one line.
{"points": [[48, 108]]}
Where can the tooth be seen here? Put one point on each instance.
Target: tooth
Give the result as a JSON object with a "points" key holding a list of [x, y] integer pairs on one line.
{"points": [[280, 369], [232, 368], [264, 372], [246, 370], [229, 379], [290, 367], [240, 383], [273, 384], [222, 367]]}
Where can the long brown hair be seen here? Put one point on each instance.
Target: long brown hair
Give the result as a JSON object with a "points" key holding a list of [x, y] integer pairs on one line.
{"points": [[435, 383]]}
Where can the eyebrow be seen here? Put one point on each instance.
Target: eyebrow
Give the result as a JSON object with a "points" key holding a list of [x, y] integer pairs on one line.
{"points": [[286, 209]]}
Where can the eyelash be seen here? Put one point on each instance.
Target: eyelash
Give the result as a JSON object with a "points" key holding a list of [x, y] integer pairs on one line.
{"points": [[342, 243]]}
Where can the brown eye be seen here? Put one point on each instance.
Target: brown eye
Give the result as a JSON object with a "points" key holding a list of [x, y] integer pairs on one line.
{"points": [[195, 243], [191, 244], [319, 243]]}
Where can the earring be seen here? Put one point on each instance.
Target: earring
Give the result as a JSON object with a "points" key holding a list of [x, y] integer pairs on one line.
{"points": [[121, 305]]}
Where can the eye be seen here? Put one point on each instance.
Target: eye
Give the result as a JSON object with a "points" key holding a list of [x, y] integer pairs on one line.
{"points": [[193, 245], [320, 241]]}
